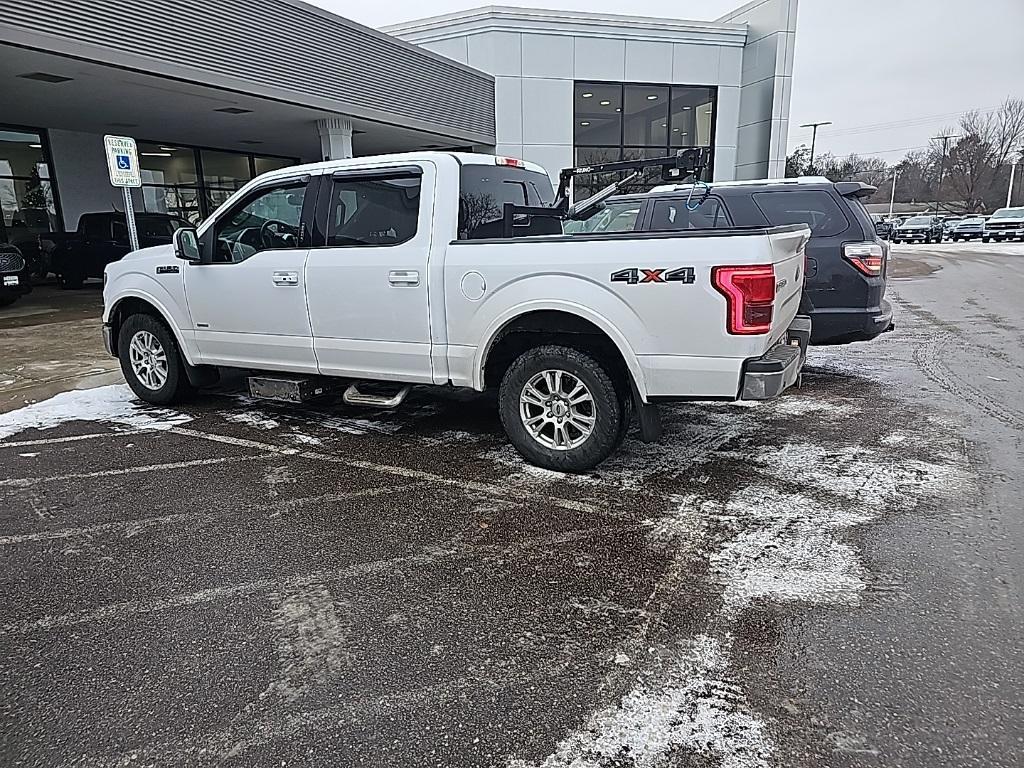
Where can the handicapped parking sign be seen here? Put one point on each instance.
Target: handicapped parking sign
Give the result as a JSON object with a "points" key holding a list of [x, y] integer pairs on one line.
{"points": [[122, 161]]}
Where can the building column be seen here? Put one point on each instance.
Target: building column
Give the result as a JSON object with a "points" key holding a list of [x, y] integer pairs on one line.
{"points": [[335, 137]]}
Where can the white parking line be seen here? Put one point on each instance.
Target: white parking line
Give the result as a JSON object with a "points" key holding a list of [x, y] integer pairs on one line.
{"points": [[425, 556], [24, 482], [489, 488], [73, 438], [133, 526]]}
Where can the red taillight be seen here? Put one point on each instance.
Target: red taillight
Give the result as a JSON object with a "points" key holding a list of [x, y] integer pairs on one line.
{"points": [[749, 296], [514, 162], [866, 258]]}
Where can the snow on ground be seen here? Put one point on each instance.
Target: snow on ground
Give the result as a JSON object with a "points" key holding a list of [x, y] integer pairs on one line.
{"points": [[115, 403]]}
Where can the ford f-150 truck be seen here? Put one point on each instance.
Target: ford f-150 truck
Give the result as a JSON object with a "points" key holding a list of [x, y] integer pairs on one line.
{"points": [[391, 271]]}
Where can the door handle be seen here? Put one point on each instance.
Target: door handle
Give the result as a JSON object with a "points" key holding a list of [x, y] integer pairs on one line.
{"points": [[286, 278], [404, 277]]}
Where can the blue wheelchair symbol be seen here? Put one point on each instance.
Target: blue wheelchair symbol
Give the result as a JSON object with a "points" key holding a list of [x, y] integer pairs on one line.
{"points": [[124, 163]]}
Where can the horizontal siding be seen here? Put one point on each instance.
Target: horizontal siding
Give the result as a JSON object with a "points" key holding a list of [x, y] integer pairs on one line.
{"points": [[274, 44]]}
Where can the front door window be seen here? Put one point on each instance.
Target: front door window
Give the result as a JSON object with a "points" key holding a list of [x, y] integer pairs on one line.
{"points": [[267, 219]]}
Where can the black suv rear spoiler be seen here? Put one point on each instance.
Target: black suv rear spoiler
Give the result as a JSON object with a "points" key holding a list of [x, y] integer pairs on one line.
{"points": [[856, 189]]}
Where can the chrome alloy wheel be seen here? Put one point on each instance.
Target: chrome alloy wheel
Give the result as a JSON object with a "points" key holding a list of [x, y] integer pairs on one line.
{"points": [[557, 410], [148, 359]]}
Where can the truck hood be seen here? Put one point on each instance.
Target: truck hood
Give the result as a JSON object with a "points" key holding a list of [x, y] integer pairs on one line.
{"points": [[157, 251]]}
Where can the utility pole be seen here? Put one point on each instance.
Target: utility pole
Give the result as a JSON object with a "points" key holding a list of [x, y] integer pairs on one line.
{"points": [[814, 138], [945, 139], [892, 197], [1009, 189]]}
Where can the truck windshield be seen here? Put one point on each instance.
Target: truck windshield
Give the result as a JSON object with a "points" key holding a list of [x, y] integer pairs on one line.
{"points": [[1009, 213], [485, 189]]}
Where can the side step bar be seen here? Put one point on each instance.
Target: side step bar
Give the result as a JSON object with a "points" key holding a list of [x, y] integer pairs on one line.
{"points": [[353, 396]]}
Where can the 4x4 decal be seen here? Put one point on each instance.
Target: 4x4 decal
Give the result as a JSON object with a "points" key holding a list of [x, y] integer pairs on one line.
{"points": [[634, 275]]}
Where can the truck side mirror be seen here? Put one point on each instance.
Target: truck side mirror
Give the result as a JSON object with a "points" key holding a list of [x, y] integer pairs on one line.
{"points": [[186, 245]]}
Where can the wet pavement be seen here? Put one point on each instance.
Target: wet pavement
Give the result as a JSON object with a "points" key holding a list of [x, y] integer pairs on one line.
{"points": [[832, 578]]}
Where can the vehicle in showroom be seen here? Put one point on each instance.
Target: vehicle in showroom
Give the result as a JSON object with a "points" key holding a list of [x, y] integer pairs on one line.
{"points": [[452, 270], [14, 275], [1004, 224], [844, 289], [968, 228], [102, 238], [919, 229]]}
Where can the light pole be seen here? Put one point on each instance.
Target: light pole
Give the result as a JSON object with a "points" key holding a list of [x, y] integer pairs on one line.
{"points": [[945, 139], [892, 195], [1009, 189], [814, 138]]}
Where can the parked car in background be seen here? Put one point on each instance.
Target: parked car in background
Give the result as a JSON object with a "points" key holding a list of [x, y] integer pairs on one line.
{"points": [[845, 277], [1004, 224], [14, 275], [968, 228], [919, 229], [102, 238], [884, 226], [948, 224]]}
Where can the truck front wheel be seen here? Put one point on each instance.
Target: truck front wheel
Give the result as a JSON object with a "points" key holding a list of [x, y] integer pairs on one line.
{"points": [[561, 409], [150, 360]]}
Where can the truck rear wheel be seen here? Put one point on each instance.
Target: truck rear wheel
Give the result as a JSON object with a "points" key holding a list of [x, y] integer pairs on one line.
{"points": [[561, 409], [150, 360]]}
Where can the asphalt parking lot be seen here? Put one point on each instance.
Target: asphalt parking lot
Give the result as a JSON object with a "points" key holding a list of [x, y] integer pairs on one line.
{"points": [[831, 578]]}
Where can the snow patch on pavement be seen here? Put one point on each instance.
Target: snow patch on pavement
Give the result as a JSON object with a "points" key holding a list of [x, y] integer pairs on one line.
{"points": [[251, 418], [693, 708], [115, 404], [804, 406]]}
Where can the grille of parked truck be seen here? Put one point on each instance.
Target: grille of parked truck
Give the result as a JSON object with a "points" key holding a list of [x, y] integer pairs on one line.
{"points": [[379, 273]]}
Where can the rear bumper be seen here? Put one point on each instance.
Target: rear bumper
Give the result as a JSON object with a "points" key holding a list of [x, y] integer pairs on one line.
{"points": [[841, 326], [779, 368]]}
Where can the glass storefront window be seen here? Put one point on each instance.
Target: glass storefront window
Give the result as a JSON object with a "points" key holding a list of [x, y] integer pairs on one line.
{"points": [[598, 114], [224, 169], [645, 117], [167, 165], [264, 164], [28, 197], [614, 121]]}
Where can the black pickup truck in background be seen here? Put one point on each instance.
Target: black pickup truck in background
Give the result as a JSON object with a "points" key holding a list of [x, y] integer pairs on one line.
{"points": [[100, 239]]}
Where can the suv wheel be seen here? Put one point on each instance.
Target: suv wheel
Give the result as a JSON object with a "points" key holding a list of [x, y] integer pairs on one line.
{"points": [[150, 360], [560, 409]]}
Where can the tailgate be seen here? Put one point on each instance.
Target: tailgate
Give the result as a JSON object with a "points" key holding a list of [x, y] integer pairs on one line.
{"points": [[788, 259]]}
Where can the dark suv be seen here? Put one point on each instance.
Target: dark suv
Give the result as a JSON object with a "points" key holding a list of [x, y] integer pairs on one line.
{"points": [[846, 260]]}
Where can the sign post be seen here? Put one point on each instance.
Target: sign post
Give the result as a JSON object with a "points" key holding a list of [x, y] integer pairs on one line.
{"points": [[123, 166]]}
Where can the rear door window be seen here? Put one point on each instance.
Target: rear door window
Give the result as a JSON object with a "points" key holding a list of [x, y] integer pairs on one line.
{"points": [[379, 211], [814, 208], [673, 214]]}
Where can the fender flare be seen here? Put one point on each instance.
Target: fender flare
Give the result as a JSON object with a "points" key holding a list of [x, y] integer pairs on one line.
{"points": [[500, 322], [161, 310]]}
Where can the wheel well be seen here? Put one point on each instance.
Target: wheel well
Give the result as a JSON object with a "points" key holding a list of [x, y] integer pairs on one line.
{"points": [[535, 329], [131, 305]]}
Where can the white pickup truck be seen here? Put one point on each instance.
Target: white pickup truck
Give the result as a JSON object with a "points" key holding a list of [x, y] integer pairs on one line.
{"points": [[390, 271]]}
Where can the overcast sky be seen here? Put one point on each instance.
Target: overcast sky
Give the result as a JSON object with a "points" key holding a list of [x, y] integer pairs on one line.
{"points": [[889, 74]]}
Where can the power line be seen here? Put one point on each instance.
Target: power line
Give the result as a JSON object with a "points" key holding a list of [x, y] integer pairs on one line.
{"points": [[908, 123]]}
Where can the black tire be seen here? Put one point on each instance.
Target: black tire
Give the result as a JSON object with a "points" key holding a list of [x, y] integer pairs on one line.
{"points": [[895, 241], [7, 298], [985, 239], [608, 431], [176, 386]]}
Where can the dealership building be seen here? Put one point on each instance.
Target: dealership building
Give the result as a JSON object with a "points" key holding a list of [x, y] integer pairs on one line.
{"points": [[217, 91]]}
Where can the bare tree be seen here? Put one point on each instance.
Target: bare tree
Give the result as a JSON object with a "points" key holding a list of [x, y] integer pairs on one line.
{"points": [[976, 162]]}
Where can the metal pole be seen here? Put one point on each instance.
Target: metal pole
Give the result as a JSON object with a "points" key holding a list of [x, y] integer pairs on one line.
{"points": [[942, 167], [1009, 189], [892, 196], [129, 214], [814, 139]]}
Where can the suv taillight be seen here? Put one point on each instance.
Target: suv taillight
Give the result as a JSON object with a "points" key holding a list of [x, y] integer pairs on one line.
{"points": [[867, 258], [749, 296]]}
